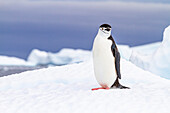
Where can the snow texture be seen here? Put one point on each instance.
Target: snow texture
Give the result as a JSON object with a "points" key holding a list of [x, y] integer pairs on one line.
{"points": [[65, 89]]}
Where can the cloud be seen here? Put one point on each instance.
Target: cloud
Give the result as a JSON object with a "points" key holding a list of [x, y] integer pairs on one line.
{"points": [[142, 1], [34, 11]]}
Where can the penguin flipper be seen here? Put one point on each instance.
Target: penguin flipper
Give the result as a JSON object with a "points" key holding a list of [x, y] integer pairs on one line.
{"points": [[116, 54], [117, 63]]}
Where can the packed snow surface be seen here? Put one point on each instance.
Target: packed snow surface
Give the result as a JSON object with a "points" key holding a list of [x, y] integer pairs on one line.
{"points": [[67, 89]]}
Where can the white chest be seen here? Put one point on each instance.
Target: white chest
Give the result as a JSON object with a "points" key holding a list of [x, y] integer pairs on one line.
{"points": [[104, 62]]}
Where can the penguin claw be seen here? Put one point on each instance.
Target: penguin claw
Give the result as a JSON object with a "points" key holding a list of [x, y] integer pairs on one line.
{"points": [[100, 88]]}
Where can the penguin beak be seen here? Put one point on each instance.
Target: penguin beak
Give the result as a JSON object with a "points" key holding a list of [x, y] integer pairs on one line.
{"points": [[107, 29]]}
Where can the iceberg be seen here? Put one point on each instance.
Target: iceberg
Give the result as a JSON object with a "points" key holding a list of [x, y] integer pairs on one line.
{"points": [[63, 57], [157, 61], [14, 61]]}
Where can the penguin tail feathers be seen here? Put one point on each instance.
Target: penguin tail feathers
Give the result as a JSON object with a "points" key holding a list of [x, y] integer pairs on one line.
{"points": [[118, 85], [122, 87]]}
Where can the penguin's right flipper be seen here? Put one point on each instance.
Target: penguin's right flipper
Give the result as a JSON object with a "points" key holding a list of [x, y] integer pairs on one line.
{"points": [[116, 54], [117, 63]]}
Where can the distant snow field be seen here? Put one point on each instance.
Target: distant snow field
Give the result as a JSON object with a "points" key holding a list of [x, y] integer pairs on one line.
{"points": [[67, 88]]}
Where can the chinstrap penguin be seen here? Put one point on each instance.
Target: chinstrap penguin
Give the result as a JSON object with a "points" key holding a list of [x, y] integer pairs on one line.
{"points": [[106, 59]]}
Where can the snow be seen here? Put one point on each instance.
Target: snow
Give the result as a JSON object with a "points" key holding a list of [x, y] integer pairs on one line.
{"points": [[6, 60], [147, 48], [65, 89], [126, 51], [63, 57], [38, 57], [157, 61]]}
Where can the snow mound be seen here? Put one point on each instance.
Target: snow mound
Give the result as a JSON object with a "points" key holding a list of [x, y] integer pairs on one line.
{"points": [[65, 89], [5, 60], [147, 48], [126, 51], [65, 56], [158, 61]]}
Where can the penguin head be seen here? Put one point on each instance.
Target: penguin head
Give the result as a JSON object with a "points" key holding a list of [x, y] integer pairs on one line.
{"points": [[105, 30]]}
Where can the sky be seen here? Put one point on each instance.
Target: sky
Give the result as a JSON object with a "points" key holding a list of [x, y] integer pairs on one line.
{"points": [[53, 25]]}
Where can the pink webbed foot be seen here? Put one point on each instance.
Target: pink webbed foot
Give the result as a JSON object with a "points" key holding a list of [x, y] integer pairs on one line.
{"points": [[100, 88]]}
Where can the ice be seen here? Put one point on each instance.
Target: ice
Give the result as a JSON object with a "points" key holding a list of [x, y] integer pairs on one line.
{"points": [[125, 51], [68, 55], [65, 89], [63, 57], [147, 48], [157, 61], [13, 61], [38, 57]]}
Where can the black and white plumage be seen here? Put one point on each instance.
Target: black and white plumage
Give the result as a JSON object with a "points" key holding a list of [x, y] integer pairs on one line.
{"points": [[106, 59]]}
